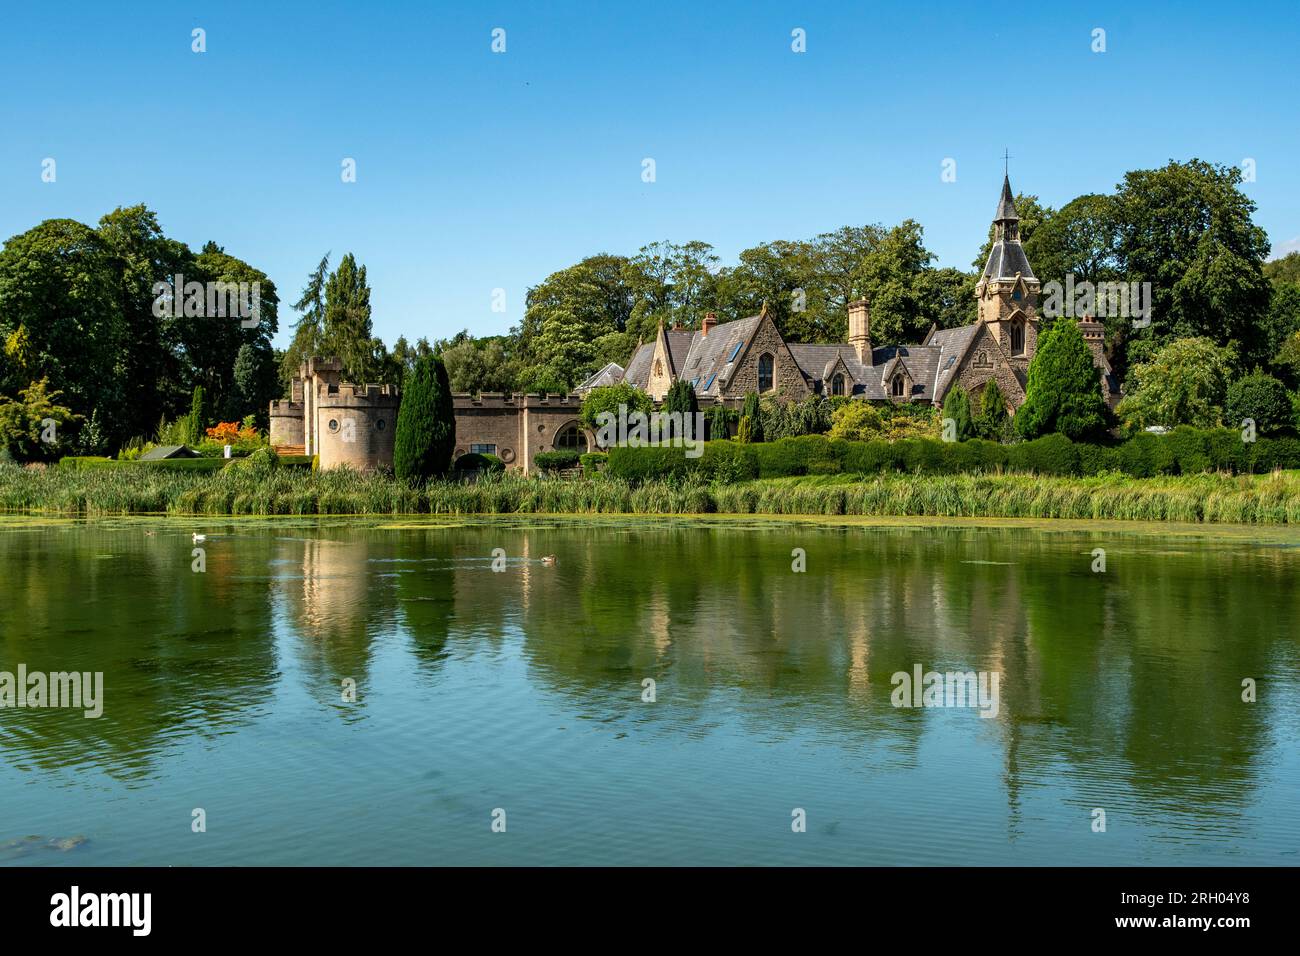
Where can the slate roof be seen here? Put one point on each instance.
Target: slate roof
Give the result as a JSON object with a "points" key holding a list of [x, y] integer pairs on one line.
{"points": [[638, 367], [1006, 258], [163, 452], [611, 374], [712, 357], [1006, 205]]}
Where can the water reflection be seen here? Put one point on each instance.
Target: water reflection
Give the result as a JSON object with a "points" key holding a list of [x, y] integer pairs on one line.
{"points": [[1126, 681]]}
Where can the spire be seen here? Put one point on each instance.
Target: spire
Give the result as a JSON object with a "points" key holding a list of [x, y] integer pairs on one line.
{"points": [[1006, 205]]}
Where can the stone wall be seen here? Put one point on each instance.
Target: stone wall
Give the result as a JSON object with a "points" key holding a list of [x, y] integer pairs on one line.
{"points": [[520, 426]]}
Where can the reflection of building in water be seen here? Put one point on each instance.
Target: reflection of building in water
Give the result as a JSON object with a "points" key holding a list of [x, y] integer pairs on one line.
{"points": [[332, 608]]}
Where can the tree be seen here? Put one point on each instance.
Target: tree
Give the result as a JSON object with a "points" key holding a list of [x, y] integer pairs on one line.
{"points": [[680, 398], [1262, 399], [1286, 269], [751, 420], [1063, 393], [991, 418], [426, 423], [1184, 383], [309, 330], [956, 408], [1186, 228], [609, 398], [200, 415], [25, 433], [718, 422], [256, 383], [347, 329]]}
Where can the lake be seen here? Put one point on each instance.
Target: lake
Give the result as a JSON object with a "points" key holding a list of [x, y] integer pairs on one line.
{"points": [[519, 695]]}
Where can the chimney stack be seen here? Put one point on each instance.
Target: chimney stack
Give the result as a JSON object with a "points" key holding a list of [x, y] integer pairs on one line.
{"points": [[710, 320], [860, 330]]}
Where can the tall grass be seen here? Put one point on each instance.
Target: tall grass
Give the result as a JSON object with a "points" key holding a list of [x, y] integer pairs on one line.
{"points": [[1270, 499]]}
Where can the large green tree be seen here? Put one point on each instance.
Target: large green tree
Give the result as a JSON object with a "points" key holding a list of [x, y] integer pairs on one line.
{"points": [[1063, 393], [426, 423], [1184, 383]]}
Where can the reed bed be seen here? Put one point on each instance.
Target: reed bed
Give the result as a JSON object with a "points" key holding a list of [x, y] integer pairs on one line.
{"points": [[1268, 499]]}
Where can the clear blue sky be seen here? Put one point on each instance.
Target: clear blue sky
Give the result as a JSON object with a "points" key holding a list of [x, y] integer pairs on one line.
{"points": [[478, 170]]}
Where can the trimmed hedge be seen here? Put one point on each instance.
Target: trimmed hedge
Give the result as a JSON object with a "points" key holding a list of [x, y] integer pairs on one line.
{"points": [[1183, 451], [165, 464], [474, 461], [556, 460], [593, 462]]}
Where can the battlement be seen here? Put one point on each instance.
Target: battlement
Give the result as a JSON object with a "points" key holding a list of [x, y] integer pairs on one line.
{"points": [[286, 406], [349, 393], [516, 400], [318, 364]]}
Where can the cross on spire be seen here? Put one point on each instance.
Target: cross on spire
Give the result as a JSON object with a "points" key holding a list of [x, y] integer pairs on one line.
{"points": [[1006, 166]]}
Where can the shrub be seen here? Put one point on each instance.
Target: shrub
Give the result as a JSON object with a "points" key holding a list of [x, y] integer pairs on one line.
{"points": [[1261, 398], [556, 460], [81, 461], [1184, 452], [857, 421], [1050, 455], [475, 462], [992, 422], [607, 398], [593, 462]]}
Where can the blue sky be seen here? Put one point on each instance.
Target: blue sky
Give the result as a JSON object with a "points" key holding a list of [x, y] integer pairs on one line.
{"points": [[478, 171]]}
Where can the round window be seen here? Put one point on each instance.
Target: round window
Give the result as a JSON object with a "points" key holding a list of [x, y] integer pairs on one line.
{"points": [[379, 424], [334, 424], [507, 455]]}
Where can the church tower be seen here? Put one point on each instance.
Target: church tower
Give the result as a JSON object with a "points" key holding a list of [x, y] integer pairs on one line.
{"points": [[1008, 289]]}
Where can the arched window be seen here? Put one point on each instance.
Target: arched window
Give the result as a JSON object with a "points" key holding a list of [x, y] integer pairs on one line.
{"points": [[571, 438], [766, 366], [1017, 338], [837, 384], [897, 386]]}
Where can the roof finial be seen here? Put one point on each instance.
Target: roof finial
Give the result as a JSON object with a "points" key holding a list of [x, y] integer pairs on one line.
{"points": [[1006, 163]]}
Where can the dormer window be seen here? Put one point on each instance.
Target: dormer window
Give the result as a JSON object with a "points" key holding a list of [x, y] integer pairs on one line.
{"points": [[837, 384], [1016, 295], [897, 386]]}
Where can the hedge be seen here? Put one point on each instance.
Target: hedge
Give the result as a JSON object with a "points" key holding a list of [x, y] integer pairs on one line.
{"points": [[593, 462], [556, 460], [1183, 451], [163, 464], [475, 461]]}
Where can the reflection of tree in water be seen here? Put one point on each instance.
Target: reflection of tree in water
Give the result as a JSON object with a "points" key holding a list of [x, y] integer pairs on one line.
{"points": [[182, 653]]}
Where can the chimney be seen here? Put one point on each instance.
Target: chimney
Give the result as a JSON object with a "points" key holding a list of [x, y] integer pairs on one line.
{"points": [[860, 330], [710, 320]]}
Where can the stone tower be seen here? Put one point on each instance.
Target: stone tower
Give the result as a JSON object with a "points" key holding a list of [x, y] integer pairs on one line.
{"points": [[1008, 289]]}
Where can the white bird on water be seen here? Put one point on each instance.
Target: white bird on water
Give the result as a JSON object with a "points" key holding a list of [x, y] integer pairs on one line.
{"points": [[200, 538]]}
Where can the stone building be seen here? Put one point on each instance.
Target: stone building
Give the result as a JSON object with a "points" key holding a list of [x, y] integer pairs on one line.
{"points": [[343, 423], [723, 362]]}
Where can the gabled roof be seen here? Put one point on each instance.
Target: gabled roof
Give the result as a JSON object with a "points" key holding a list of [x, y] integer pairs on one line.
{"points": [[163, 452], [611, 374], [712, 357], [638, 367]]}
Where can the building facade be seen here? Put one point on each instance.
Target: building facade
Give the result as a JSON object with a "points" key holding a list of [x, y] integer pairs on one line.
{"points": [[723, 362]]}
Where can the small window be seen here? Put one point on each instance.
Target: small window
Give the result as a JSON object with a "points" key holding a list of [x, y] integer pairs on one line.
{"points": [[837, 384], [735, 352], [482, 449], [380, 425], [709, 384], [1016, 295], [897, 386], [334, 424], [1017, 338], [766, 369], [695, 381]]}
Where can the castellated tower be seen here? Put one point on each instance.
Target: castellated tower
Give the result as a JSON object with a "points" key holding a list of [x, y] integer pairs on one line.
{"points": [[860, 330], [1008, 289], [344, 424]]}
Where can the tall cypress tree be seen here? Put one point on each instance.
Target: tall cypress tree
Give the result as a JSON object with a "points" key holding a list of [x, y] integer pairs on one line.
{"points": [[346, 326], [1063, 393], [426, 423], [956, 406], [991, 418]]}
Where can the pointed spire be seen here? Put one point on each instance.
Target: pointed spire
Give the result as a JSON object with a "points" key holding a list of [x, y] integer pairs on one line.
{"points": [[1006, 205]]}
